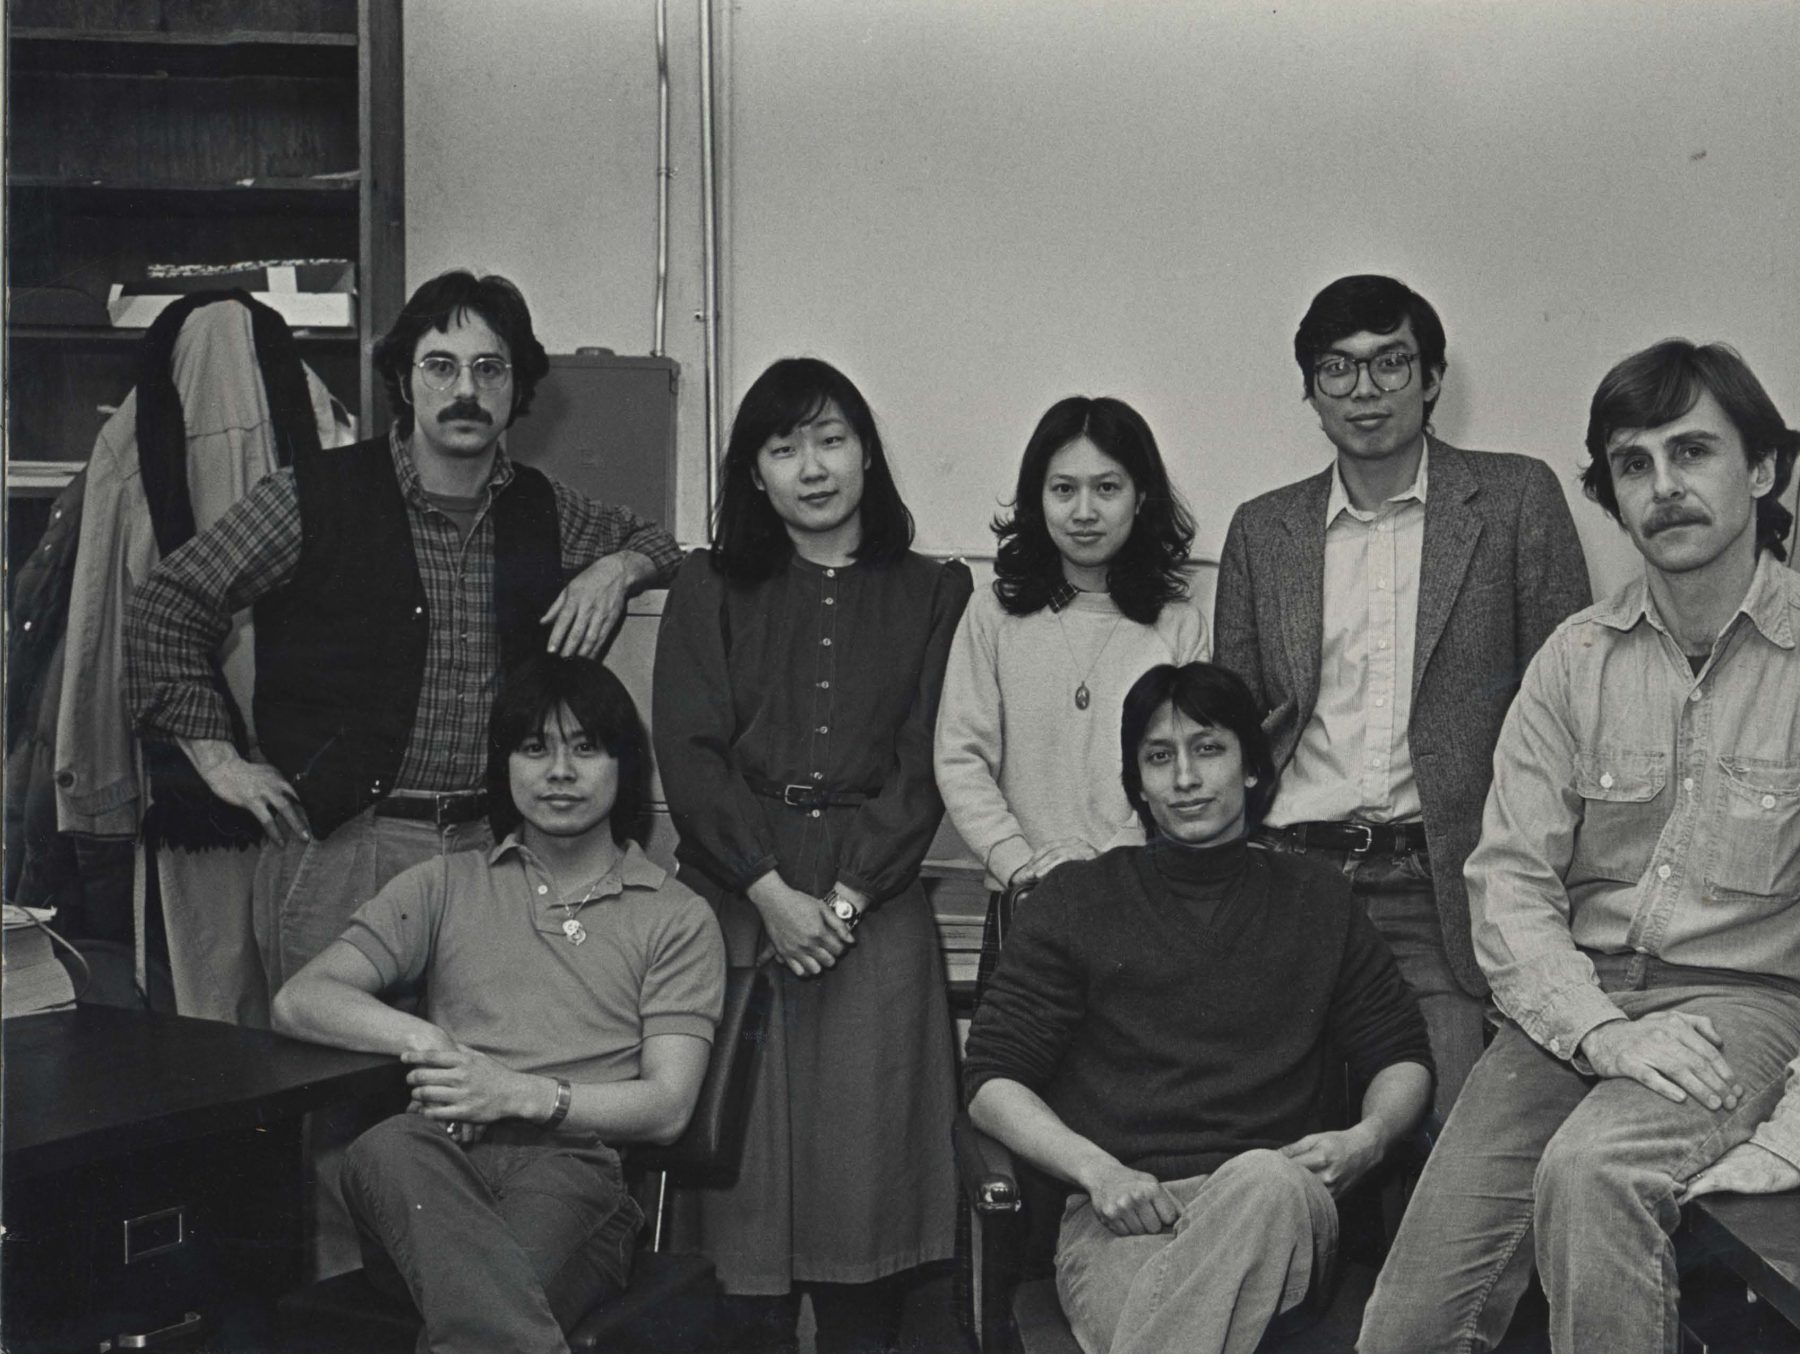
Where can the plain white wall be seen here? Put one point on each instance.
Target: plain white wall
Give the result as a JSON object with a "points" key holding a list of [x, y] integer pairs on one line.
{"points": [[978, 207]]}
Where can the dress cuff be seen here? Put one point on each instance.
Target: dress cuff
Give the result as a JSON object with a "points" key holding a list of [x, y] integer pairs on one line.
{"points": [[1562, 1023]]}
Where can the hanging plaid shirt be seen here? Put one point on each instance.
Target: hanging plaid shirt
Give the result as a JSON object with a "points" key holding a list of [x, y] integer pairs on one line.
{"points": [[183, 611]]}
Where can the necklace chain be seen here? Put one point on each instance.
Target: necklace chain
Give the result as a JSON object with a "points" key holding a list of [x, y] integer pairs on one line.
{"points": [[572, 928], [1083, 697]]}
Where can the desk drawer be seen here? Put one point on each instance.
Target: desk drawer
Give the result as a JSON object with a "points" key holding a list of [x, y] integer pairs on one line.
{"points": [[209, 1226]]}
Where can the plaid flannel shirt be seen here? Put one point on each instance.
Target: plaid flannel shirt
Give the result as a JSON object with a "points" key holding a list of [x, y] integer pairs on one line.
{"points": [[183, 611]]}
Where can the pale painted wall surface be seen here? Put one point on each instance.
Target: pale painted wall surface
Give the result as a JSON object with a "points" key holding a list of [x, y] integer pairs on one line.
{"points": [[976, 208]]}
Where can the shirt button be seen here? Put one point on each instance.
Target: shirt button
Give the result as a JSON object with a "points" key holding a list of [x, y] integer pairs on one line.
{"points": [[1381, 582], [418, 611], [1606, 780], [1768, 801], [1663, 872], [1641, 949], [830, 601], [1381, 700], [825, 686], [826, 641], [543, 888], [1694, 695], [1688, 784], [1382, 644], [831, 573], [815, 813], [824, 728], [818, 775]]}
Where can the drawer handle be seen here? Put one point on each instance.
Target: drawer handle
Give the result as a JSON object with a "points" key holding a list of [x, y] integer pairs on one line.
{"points": [[191, 1324], [154, 1233]]}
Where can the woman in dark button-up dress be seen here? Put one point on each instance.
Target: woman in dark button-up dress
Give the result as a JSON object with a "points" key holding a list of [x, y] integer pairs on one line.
{"points": [[797, 679]]}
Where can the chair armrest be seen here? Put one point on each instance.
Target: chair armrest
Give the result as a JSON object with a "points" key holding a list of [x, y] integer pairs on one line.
{"points": [[709, 1151], [985, 1168]]}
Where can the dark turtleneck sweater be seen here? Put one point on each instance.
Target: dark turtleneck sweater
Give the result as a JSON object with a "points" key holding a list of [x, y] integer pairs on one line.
{"points": [[1179, 1005]]}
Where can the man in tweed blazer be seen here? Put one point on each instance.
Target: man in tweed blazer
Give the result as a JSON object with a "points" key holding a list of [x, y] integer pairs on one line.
{"points": [[1384, 611]]}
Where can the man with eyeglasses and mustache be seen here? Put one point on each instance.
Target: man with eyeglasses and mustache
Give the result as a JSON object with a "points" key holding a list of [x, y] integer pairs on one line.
{"points": [[1636, 898], [392, 582], [1383, 612]]}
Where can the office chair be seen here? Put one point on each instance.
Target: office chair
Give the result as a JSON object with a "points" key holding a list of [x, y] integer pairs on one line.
{"points": [[669, 1305]]}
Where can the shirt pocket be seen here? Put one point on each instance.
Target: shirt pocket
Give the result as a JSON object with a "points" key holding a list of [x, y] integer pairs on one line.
{"points": [[1622, 814], [1757, 846]]}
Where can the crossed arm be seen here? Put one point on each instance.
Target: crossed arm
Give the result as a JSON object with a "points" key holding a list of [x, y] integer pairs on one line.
{"points": [[1135, 1203], [334, 1000]]}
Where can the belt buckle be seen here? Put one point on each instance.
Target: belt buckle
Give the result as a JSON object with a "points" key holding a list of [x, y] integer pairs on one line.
{"points": [[800, 796], [1368, 841], [440, 808]]}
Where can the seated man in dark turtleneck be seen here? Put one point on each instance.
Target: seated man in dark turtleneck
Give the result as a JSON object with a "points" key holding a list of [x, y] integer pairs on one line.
{"points": [[1159, 1033]]}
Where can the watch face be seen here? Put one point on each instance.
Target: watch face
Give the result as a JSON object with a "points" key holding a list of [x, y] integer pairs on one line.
{"points": [[845, 910]]}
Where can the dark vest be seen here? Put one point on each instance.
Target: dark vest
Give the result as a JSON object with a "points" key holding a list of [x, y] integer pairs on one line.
{"points": [[340, 651]]}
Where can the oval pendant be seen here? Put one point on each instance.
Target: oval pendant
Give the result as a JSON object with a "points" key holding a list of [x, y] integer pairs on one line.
{"points": [[1081, 697], [575, 931]]}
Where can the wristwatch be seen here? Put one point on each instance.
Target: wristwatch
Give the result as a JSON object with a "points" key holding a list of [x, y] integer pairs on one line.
{"points": [[843, 909]]}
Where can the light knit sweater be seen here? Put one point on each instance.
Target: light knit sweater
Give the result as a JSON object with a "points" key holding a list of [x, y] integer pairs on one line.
{"points": [[1018, 764]]}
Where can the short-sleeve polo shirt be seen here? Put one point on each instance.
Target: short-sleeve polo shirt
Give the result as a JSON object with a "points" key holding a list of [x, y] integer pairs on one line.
{"points": [[485, 933]]}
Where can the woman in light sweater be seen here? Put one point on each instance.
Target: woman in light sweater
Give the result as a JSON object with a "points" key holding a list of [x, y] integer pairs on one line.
{"points": [[1088, 594]]}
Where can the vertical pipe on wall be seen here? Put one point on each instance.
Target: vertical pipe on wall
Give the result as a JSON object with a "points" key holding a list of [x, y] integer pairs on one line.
{"points": [[662, 174], [709, 223]]}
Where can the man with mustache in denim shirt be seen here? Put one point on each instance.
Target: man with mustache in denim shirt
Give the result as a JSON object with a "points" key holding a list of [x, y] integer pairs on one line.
{"points": [[1636, 899]]}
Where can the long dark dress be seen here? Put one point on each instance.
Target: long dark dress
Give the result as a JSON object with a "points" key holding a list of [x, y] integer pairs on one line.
{"points": [[828, 678]]}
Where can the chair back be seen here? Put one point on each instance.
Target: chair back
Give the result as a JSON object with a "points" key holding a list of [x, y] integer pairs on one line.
{"points": [[709, 1151]]}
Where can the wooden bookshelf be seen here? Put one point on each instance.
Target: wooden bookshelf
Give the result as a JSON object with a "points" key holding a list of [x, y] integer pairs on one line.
{"points": [[200, 132]]}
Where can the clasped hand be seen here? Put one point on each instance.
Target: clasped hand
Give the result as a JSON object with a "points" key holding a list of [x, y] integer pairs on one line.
{"points": [[1131, 1203], [464, 1090], [807, 936], [1339, 1159], [1675, 1054]]}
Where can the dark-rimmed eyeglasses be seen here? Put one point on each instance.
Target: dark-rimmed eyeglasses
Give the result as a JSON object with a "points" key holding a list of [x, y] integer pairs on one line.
{"points": [[439, 372], [1337, 375]]}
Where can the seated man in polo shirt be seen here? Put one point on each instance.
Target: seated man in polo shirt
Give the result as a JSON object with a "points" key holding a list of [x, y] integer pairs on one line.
{"points": [[572, 991]]}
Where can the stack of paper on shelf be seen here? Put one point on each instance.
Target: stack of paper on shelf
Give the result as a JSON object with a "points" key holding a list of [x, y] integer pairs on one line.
{"points": [[307, 293]]}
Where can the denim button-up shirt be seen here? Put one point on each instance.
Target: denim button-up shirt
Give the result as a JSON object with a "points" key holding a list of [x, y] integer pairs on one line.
{"points": [[1640, 809]]}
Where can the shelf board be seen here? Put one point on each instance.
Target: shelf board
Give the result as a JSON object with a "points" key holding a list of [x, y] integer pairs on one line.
{"points": [[233, 52], [39, 479], [96, 336], [263, 196]]}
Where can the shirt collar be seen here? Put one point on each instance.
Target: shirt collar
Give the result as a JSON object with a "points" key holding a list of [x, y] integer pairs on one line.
{"points": [[1338, 500], [400, 447], [635, 871], [1766, 603]]}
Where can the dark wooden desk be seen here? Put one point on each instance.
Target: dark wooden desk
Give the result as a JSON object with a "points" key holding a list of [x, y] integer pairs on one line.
{"points": [[1757, 1238], [152, 1166]]}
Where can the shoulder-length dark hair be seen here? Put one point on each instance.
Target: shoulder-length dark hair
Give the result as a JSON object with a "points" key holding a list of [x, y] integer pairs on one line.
{"points": [[750, 541], [1664, 381], [445, 300], [1207, 694], [1147, 571], [530, 695]]}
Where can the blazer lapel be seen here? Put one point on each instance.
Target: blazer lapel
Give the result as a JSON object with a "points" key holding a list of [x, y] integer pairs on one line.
{"points": [[1301, 568], [1451, 530]]}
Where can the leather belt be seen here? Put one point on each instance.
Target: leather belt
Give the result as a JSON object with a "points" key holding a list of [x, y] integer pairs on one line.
{"points": [[804, 796], [442, 810], [1356, 839]]}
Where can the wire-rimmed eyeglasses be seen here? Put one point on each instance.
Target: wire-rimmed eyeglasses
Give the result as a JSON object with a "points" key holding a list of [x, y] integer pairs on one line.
{"points": [[439, 372]]}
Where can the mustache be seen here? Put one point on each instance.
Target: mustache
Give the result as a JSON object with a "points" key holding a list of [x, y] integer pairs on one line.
{"points": [[464, 411], [1664, 518]]}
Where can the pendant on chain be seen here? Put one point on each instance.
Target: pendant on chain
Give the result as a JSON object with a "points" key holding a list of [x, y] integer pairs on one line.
{"points": [[1081, 697], [575, 931]]}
